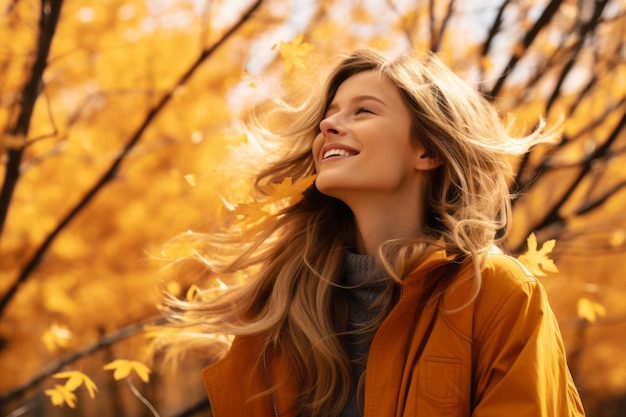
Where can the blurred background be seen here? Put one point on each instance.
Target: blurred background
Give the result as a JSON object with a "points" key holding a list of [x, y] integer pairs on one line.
{"points": [[120, 130]]}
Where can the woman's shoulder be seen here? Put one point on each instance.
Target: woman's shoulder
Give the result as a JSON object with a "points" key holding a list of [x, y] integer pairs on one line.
{"points": [[504, 283], [508, 288], [502, 271]]}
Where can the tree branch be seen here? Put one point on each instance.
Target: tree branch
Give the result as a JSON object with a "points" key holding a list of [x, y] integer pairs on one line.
{"points": [[543, 21], [495, 29], [436, 41], [553, 215], [105, 341], [110, 173], [587, 206], [585, 29], [431, 20], [49, 17], [548, 161]]}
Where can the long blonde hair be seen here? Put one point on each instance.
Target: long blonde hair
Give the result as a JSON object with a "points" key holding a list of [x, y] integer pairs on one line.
{"points": [[295, 264]]}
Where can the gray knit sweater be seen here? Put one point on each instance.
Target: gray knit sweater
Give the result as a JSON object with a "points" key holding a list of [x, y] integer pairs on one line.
{"points": [[366, 281]]}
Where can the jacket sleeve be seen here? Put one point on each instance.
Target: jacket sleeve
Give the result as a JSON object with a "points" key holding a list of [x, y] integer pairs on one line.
{"points": [[519, 357]]}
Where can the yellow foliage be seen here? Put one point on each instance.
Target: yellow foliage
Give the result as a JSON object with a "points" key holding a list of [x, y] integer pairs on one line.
{"points": [[590, 310], [295, 52], [56, 337], [191, 179], [379, 42], [64, 394], [122, 368], [75, 379], [537, 261], [362, 15], [286, 192], [407, 20], [111, 62], [60, 395], [290, 190], [487, 64]]}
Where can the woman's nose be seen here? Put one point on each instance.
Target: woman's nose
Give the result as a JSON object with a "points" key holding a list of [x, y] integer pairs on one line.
{"points": [[330, 125]]}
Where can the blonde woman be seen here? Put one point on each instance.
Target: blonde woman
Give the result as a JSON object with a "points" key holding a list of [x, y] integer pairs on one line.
{"points": [[380, 293]]}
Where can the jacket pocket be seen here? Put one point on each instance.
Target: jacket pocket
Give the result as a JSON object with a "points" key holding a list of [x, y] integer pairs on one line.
{"points": [[440, 379]]}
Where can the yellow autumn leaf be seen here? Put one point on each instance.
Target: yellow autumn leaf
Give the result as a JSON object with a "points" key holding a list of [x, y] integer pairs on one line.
{"points": [[288, 189], [56, 337], [257, 210], [294, 53], [590, 310], [253, 211], [122, 368], [75, 380], [537, 261], [191, 179], [60, 395]]}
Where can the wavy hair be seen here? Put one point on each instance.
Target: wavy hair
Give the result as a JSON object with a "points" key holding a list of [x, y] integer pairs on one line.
{"points": [[292, 297]]}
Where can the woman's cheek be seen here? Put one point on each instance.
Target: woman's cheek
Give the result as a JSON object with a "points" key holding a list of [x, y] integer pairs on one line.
{"points": [[316, 148]]}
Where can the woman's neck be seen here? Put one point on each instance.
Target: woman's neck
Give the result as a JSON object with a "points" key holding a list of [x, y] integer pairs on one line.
{"points": [[380, 220]]}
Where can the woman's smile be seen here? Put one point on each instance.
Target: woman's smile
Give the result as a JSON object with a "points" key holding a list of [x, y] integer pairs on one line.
{"points": [[366, 134]]}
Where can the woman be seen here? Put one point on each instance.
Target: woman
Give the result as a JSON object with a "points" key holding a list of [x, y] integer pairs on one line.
{"points": [[380, 293]]}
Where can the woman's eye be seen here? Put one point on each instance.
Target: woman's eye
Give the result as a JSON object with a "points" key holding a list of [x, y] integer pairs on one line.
{"points": [[363, 110]]}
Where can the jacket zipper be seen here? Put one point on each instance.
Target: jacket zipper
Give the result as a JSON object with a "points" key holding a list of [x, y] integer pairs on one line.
{"points": [[268, 381]]}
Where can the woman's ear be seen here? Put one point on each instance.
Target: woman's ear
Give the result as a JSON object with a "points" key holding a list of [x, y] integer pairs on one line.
{"points": [[426, 160]]}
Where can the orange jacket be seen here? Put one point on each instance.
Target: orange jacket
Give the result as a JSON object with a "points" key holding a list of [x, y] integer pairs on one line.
{"points": [[500, 356]]}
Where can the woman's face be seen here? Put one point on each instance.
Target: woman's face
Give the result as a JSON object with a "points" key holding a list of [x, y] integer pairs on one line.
{"points": [[365, 142]]}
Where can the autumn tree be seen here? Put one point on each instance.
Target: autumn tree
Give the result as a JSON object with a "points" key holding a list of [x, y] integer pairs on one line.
{"points": [[119, 131]]}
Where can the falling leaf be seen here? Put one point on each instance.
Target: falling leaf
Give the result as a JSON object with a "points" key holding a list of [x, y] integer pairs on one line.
{"points": [[191, 179], [253, 211], [60, 395], [122, 369], [56, 337], [538, 262], [288, 189], [75, 380], [590, 310], [294, 53]]}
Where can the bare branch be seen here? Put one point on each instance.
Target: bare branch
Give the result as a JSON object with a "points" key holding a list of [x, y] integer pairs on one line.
{"points": [[55, 130], [586, 89], [431, 21], [104, 342], [49, 17], [109, 175], [552, 216], [549, 163], [543, 21], [436, 41], [495, 28], [588, 206], [585, 30], [405, 28]]}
